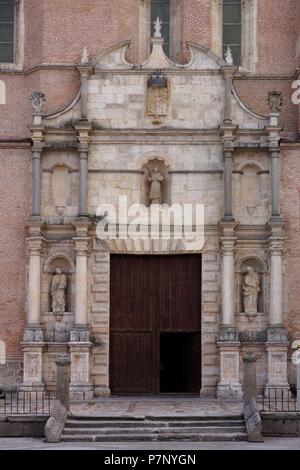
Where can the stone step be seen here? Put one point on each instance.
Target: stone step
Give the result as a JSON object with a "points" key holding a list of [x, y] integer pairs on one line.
{"points": [[196, 437], [150, 424], [168, 418], [153, 430]]}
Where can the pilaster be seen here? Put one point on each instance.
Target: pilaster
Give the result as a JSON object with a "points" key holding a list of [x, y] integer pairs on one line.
{"points": [[227, 130], [83, 129]]}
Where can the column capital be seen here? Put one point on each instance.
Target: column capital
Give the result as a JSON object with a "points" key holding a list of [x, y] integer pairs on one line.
{"points": [[37, 133], [229, 70], [273, 137], [276, 228], [228, 228], [85, 69], [82, 226], [84, 129], [36, 246], [227, 130], [82, 246], [35, 227]]}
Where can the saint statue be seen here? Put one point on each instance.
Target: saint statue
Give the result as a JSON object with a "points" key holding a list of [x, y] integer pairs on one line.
{"points": [[58, 292], [156, 180], [251, 289]]}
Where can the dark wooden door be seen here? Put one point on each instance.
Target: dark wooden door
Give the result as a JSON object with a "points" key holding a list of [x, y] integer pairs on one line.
{"points": [[151, 295]]}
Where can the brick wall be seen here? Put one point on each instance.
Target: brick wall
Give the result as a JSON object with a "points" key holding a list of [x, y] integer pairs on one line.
{"points": [[15, 181]]}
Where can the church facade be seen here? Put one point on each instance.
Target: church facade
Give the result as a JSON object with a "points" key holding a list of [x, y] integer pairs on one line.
{"points": [[171, 104]]}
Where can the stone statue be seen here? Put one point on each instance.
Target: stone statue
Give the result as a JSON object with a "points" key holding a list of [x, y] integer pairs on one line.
{"points": [[156, 180], [157, 28], [251, 289], [58, 292], [37, 100], [275, 101]]}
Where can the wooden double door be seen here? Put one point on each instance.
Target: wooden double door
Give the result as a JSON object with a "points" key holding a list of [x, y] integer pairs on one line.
{"points": [[155, 324]]}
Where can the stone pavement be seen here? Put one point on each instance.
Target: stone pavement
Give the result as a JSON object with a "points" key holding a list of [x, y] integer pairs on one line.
{"points": [[39, 444], [141, 406]]}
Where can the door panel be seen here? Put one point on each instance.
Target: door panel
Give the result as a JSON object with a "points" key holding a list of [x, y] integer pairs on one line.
{"points": [[150, 295], [132, 363]]}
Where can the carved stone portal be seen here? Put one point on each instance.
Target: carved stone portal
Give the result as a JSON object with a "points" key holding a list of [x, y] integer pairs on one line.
{"points": [[251, 290]]}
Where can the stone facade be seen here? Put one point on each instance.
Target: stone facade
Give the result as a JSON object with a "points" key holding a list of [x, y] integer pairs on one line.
{"points": [[220, 146]]}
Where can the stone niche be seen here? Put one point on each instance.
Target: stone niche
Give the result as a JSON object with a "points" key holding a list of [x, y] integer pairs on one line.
{"points": [[255, 323], [145, 185], [57, 327]]}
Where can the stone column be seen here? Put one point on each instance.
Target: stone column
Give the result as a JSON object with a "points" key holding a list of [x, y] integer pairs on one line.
{"points": [[33, 336], [275, 248], [82, 250], [35, 246], [228, 135], [36, 180], [275, 182], [63, 380], [228, 300], [83, 130], [37, 136], [85, 69], [277, 340], [228, 72], [80, 345], [228, 344], [273, 139]]}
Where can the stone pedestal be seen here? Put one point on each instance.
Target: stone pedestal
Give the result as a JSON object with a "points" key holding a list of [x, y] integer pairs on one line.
{"points": [[80, 386], [33, 367], [229, 386], [277, 350]]}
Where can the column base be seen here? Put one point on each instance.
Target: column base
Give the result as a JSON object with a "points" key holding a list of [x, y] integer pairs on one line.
{"points": [[38, 387], [33, 366], [102, 392], [80, 386], [33, 334], [229, 391], [81, 392], [229, 387]]}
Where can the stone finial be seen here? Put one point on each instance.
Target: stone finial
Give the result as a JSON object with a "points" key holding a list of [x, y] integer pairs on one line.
{"points": [[275, 101], [228, 56], [37, 100], [85, 56], [157, 28]]}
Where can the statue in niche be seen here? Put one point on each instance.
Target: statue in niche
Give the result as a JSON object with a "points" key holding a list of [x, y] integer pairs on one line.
{"points": [[156, 180], [58, 292], [251, 290]]}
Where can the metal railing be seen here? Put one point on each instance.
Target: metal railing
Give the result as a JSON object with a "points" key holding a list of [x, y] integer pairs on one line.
{"points": [[279, 400], [23, 402]]}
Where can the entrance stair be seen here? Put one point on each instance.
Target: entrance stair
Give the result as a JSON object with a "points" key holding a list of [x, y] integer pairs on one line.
{"points": [[154, 428]]}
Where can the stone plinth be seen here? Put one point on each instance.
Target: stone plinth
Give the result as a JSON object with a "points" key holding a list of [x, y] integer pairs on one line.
{"points": [[229, 386], [81, 385], [33, 367]]}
